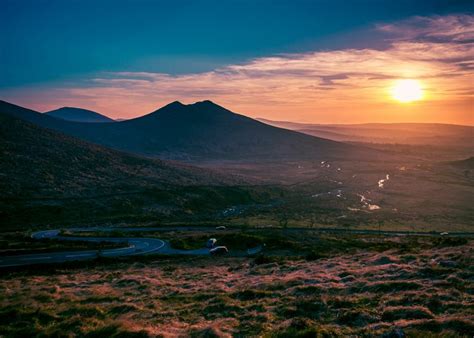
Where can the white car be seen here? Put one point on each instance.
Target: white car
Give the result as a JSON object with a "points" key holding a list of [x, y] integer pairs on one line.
{"points": [[221, 227], [218, 250]]}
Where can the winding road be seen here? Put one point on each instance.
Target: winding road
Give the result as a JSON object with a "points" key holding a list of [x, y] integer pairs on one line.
{"points": [[133, 246]]}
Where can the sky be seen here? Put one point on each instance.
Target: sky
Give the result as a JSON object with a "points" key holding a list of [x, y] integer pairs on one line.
{"points": [[305, 61]]}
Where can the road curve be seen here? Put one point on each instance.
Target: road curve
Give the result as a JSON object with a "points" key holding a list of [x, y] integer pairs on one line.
{"points": [[133, 246]]}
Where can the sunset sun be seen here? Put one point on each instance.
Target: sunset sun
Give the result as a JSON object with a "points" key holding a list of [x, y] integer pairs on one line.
{"points": [[407, 90]]}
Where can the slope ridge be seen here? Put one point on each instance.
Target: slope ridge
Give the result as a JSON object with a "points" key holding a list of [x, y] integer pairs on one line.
{"points": [[78, 115], [198, 132]]}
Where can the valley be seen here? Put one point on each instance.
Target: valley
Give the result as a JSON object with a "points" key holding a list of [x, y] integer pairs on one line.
{"points": [[330, 190]]}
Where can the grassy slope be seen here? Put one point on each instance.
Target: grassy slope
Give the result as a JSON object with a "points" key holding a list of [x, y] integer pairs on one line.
{"points": [[361, 286], [48, 177], [40, 162]]}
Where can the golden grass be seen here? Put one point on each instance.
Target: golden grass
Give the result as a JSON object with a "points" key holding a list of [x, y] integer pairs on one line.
{"points": [[427, 293]]}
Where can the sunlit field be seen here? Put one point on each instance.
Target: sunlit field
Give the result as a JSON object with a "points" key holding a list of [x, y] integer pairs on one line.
{"points": [[303, 285]]}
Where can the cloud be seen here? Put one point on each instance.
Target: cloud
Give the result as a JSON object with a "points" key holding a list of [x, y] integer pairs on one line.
{"points": [[450, 29], [437, 50]]}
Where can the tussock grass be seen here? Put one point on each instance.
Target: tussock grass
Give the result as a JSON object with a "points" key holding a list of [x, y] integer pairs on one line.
{"points": [[371, 291], [390, 286], [392, 314]]}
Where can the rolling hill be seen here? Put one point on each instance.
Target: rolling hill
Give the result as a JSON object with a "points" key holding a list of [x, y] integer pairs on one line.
{"points": [[38, 161], [78, 115], [49, 177], [467, 163], [202, 131], [401, 133]]}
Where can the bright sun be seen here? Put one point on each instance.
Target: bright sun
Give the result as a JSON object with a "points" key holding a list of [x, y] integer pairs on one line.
{"points": [[407, 90]]}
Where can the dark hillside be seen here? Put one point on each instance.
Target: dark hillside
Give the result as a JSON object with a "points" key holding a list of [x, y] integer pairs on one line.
{"points": [[46, 176], [199, 132]]}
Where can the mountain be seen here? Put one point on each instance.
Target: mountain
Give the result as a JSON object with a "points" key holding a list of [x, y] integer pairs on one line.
{"points": [[202, 131], [401, 133], [47, 177], [67, 166], [467, 163], [78, 115]]}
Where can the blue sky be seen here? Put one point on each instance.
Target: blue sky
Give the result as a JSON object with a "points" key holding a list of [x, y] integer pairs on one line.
{"points": [[328, 61], [44, 41]]}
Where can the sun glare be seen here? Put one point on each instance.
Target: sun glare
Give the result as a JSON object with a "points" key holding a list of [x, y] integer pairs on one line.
{"points": [[407, 90]]}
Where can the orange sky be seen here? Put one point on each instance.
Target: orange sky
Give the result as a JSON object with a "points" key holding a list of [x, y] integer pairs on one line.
{"points": [[336, 86]]}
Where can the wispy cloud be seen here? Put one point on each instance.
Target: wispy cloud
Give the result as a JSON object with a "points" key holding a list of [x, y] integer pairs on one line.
{"points": [[348, 85], [453, 28]]}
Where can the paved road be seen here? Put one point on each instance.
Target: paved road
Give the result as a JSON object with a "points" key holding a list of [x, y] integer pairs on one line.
{"points": [[133, 246], [143, 246]]}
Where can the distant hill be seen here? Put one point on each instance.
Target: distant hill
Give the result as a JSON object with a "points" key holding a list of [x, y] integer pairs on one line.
{"points": [[48, 177], [402, 133], [78, 115], [468, 163], [65, 165], [198, 132]]}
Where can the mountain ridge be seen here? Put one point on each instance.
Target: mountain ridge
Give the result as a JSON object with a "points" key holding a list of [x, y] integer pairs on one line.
{"points": [[201, 131], [48, 176], [402, 133], [78, 115]]}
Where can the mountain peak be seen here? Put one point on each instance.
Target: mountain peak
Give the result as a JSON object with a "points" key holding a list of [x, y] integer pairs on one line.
{"points": [[209, 102], [78, 115], [207, 106], [175, 104], [205, 103], [199, 108], [70, 108]]}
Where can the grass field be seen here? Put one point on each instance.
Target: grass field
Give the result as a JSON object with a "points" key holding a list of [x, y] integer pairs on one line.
{"points": [[303, 286]]}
